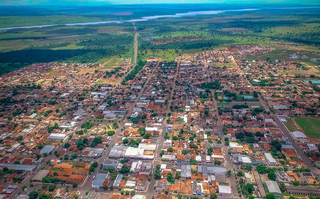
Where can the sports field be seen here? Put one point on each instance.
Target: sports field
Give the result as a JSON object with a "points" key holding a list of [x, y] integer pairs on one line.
{"points": [[310, 126]]}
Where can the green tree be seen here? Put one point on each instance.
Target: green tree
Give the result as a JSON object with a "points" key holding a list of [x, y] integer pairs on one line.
{"points": [[45, 196], [270, 196], [91, 169], [213, 196], [67, 145], [124, 169], [250, 188], [282, 187], [170, 178], [276, 144], [33, 195], [95, 164], [272, 175], [210, 150], [51, 188], [45, 180], [261, 169], [240, 173], [296, 183], [184, 152], [157, 174]]}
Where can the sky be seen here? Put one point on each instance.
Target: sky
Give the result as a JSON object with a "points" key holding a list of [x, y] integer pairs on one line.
{"points": [[103, 2]]}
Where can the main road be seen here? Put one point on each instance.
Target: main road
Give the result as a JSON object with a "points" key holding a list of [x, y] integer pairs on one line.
{"points": [[87, 184], [228, 163]]}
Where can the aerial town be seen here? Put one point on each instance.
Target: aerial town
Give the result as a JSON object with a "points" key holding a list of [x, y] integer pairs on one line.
{"points": [[215, 124]]}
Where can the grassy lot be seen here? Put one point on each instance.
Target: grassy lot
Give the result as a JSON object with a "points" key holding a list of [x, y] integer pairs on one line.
{"points": [[71, 46], [53, 71], [289, 124], [180, 121], [223, 104], [277, 54], [129, 54], [184, 34], [310, 126], [308, 48], [239, 97], [312, 63], [169, 54], [311, 71], [225, 64]]}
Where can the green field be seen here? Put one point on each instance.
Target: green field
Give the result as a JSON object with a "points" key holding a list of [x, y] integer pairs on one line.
{"points": [[168, 54], [277, 54], [310, 126], [72, 46], [166, 39], [184, 34]]}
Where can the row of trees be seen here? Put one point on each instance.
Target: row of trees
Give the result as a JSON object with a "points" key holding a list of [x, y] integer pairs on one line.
{"points": [[186, 45], [133, 73]]}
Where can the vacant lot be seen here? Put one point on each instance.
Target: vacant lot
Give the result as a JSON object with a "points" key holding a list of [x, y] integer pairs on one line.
{"points": [[225, 64], [310, 126], [290, 125], [223, 104]]}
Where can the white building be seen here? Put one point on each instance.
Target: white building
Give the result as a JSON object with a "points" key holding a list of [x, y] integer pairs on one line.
{"points": [[57, 136], [139, 197], [151, 129], [273, 188], [245, 159], [271, 161], [224, 190], [299, 136]]}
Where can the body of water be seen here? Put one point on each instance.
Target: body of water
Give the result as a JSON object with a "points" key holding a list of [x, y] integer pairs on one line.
{"points": [[177, 15]]}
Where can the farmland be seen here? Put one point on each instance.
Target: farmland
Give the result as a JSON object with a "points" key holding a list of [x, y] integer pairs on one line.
{"points": [[164, 38]]}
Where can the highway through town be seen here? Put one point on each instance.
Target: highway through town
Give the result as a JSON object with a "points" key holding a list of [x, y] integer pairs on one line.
{"points": [[228, 164]]}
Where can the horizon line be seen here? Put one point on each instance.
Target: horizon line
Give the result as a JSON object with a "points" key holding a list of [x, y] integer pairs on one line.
{"points": [[104, 3]]}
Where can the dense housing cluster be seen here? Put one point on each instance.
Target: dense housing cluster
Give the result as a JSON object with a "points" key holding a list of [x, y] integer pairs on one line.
{"points": [[211, 124]]}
